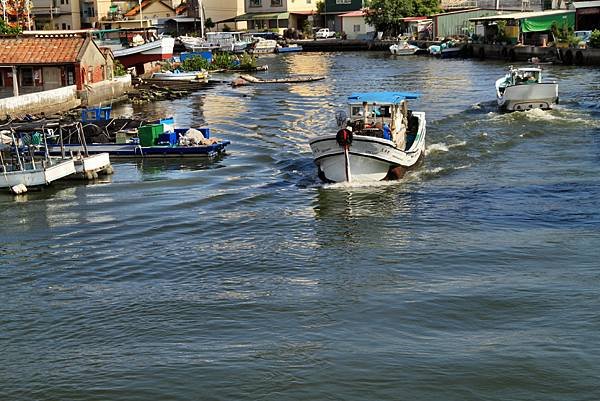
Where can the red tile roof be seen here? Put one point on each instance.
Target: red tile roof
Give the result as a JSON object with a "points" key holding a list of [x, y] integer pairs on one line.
{"points": [[46, 50]]}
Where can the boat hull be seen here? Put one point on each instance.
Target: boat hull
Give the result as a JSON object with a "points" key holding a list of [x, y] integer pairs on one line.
{"points": [[137, 151], [525, 97], [158, 50], [403, 51], [38, 177], [368, 158]]}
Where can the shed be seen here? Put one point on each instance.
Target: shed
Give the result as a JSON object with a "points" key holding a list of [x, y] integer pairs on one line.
{"points": [[456, 22], [527, 25], [353, 24], [587, 15]]}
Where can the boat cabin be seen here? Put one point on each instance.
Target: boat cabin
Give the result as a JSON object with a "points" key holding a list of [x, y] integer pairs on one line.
{"points": [[383, 115], [524, 76]]}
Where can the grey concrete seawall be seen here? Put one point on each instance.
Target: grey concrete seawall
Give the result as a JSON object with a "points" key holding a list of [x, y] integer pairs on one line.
{"points": [[105, 91], [63, 99], [52, 101]]}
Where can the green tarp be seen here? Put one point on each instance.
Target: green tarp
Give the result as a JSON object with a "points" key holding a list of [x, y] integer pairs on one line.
{"points": [[544, 22]]}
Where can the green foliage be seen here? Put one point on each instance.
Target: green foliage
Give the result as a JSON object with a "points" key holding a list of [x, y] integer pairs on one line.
{"points": [[5, 29], [501, 24], [307, 28], [226, 28], [320, 6], [195, 63], [247, 62], [118, 69], [595, 39], [209, 24], [223, 61], [386, 15]]}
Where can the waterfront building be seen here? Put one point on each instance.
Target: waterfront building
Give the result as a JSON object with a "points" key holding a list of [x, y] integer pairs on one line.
{"points": [[587, 15], [56, 14], [530, 28], [277, 15], [334, 9], [353, 24], [38, 63]]}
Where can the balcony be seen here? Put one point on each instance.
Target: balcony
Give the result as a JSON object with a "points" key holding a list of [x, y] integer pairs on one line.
{"points": [[458, 4], [46, 10]]}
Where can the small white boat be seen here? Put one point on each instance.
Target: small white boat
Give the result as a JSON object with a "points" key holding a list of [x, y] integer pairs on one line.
{"points": [[262, 46], [197, 44], [23, 171], [180, 76], [524, 89], [403, 48], [381, 140]]}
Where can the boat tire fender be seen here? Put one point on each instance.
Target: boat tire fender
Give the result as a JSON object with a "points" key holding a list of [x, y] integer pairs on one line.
{"points": [[344, 137]]}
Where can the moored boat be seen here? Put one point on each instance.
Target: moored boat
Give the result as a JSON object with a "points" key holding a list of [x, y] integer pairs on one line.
{"points": [[381, 139], [524, 89], [291, 48], [180, 76], [24, 170], [403, 48]]}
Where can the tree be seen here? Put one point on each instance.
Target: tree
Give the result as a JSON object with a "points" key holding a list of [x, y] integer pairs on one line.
{"points": [[209, 24], [386, 15], [7, 29]]}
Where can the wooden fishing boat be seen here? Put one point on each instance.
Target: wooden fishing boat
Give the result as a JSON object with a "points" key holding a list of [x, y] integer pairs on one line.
{"points": [[245, 79], [381, 139], [177, 75]]}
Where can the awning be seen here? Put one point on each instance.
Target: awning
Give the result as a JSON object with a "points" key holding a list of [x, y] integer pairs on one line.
{"points": [[261, 16], [544, 23]]}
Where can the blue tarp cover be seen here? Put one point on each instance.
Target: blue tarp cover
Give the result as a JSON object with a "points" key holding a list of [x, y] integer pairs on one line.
{"points": [[381, 97]]}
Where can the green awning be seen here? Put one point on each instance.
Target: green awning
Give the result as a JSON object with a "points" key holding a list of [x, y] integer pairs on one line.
{"points": [[544, 23], [261, 16], [113, 9]]}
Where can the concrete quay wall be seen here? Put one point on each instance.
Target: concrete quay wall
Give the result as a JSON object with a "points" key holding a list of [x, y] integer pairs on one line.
{"points": [[51, 101], [568, 56], [105, 91]]}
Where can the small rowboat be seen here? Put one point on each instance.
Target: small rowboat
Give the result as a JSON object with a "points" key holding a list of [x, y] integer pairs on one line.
{"points": [[249, 79]]}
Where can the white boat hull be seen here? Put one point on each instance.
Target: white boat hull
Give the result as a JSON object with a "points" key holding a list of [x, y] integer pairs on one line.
{"points": [[92, 163], [528, 96], [368, 158], [403, 51], [39, 176]]}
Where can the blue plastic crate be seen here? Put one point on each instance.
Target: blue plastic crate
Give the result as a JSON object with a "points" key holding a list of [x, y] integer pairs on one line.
{"points": [[169, 138]]}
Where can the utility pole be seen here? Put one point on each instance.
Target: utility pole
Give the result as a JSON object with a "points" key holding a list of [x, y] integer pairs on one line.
{"points": [[141, 14]]}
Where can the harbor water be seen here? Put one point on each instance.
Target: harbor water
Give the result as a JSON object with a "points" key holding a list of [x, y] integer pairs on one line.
{"points": [[244, 278]]}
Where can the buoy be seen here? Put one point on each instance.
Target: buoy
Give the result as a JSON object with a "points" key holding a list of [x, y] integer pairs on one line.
{"points": [[18, 189]]}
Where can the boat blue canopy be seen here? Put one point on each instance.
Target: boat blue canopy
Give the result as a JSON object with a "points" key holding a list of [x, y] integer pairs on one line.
{"points": [[381, 97]]}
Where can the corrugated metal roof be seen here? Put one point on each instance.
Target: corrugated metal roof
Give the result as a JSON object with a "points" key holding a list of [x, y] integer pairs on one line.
{"points": [[46, 50], [356, 13], [521, 15]]}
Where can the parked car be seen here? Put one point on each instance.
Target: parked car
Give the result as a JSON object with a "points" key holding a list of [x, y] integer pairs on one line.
{"points": [[583, 36], [325, 33]]}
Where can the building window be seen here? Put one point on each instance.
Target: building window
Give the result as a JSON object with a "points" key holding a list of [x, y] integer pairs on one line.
{"points": [[356, 28], [307, 1], [64, 26], [343, 1], [272, 23], [26, 76], [255, 3], [276, 3]]}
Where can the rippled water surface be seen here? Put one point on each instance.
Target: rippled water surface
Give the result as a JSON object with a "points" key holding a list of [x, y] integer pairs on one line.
{"points": [[244, 278]]}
